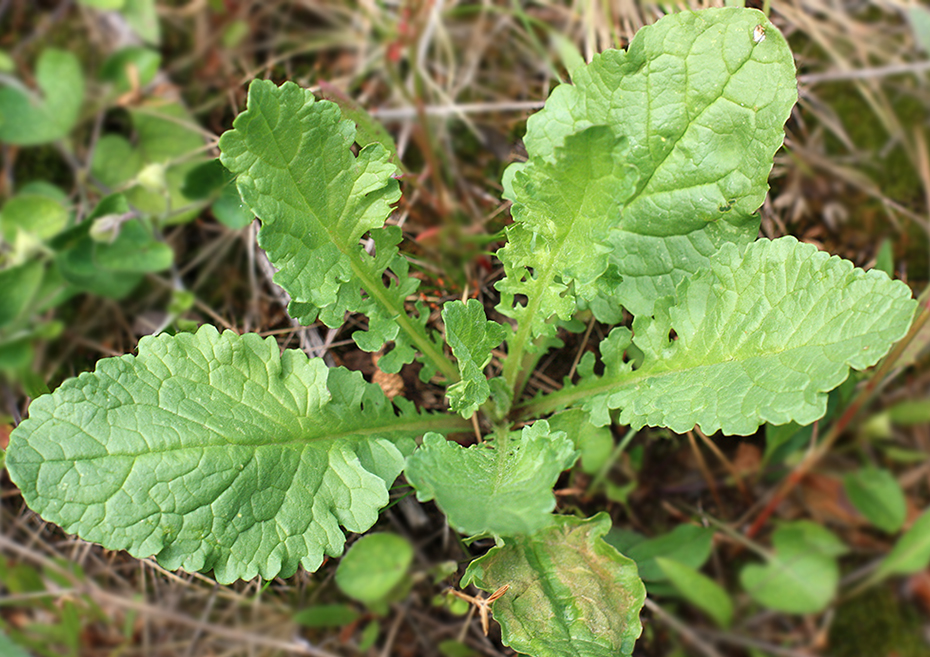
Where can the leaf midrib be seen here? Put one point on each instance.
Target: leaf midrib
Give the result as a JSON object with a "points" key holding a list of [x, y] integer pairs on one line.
{"points": [[372, 286], [412, 425]]}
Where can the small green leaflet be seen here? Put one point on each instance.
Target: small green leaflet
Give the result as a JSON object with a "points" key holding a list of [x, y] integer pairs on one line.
{"points": [[910, 554], [802, 576], [877, 495], [214, 451], [472, 337], [28, 118], [698, 589], [571, 594], [502, 488], [374, 566]]}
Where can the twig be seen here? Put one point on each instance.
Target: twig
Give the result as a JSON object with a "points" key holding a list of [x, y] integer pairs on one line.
{"points": [[864, 73], [737, 477], [746, 642], [409, 113], [483, 605], [813, 456], [686, 632], [100, 596], [705, 471], [392, 633]]}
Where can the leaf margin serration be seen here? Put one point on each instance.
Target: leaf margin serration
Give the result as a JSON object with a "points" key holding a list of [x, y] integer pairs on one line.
{"points": [[366, 458]]}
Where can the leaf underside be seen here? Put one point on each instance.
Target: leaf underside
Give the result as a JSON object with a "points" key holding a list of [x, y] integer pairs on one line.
{"points": [[571, 594], [213, 451], [503, 488], [758, 338]]}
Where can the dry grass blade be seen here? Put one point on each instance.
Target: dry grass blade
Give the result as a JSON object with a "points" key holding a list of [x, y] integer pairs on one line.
{"points": [[483, 605]]}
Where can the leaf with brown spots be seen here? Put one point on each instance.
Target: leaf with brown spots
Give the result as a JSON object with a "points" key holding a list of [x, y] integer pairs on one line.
{"points": [[570, 593]]}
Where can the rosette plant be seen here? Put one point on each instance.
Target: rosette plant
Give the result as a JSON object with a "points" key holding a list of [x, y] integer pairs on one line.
{"points": [[217, 452]]}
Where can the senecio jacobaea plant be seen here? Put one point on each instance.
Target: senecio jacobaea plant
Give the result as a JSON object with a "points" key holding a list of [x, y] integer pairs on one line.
{"points": [[216, 452]]}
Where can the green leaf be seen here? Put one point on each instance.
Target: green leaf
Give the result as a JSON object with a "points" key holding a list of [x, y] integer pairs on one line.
{"points": [[206, 180], [571, 594], [135, 250], [911, 412], [166, 136], [111, 269], [758, 338], [594, 443], [211, 180], [296, 171], [145, 61], [34, 214], [115, 161], [143, 18], [29, 119], [701, 102], [698, 589], [562, 213], [374, 566], [802, 576], [686, 544], [214, 451], [502, 488], [326, 616], [369, 130], [368, 636], [8, 648], [878, 496], [911, 553], [103, 5], [810, 536], [472, 337], [919, 18], [453, 648], [230, 210], [18, 288]]}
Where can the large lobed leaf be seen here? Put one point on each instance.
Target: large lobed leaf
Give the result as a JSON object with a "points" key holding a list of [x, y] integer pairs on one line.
{"points": [[296, 171], [214, 451], [760, 337], [570, 594], [701, 98], [502, 488]]}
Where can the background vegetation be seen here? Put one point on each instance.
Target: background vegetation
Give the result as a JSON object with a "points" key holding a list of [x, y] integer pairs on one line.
{"points": [[136, 93]]}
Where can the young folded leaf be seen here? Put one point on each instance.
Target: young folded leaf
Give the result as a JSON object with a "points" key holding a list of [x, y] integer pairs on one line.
{"points": [[472, 337], [702, 103], [214, 451], [761, 337], [296, 171], [562, 212], [570, 594], [502, 488]]}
